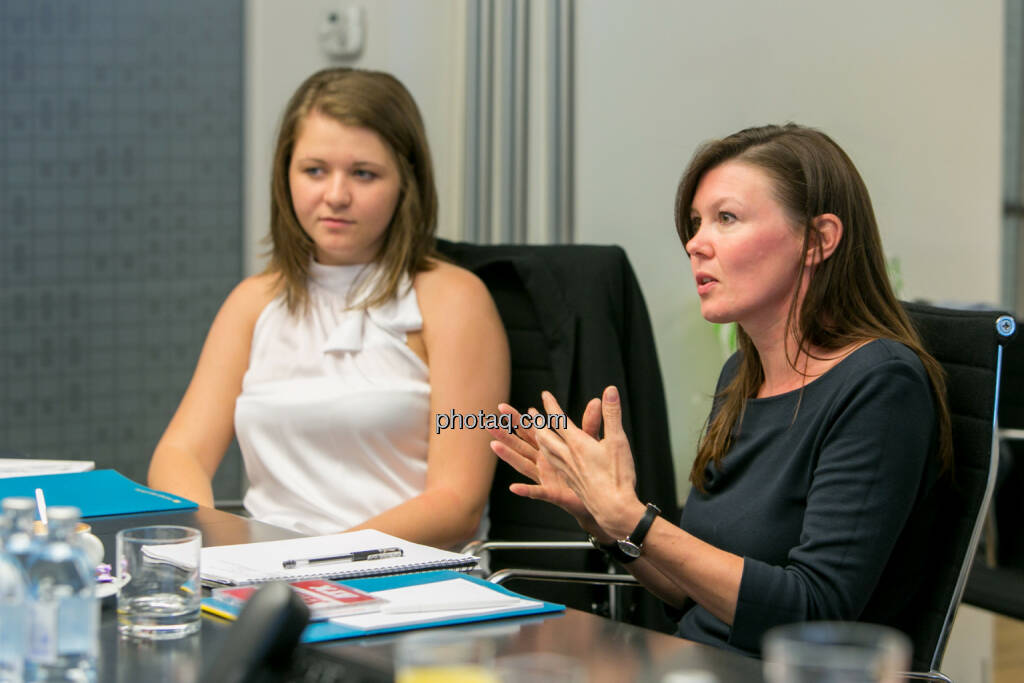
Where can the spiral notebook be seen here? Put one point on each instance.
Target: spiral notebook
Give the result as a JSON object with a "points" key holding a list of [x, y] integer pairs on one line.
{"points": [[247, 563]]}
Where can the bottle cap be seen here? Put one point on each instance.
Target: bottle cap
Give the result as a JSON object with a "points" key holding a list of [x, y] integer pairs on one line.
{"points": [[690, 676], [18, 504], [62, 513]]}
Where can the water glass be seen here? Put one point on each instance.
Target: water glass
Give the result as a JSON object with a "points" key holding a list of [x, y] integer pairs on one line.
{"points": [[835, 652], [156, 661], [539, 667], [157, 571], [444, 657]]}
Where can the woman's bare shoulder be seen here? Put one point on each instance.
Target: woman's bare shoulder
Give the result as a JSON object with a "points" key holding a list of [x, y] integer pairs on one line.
{"points": [[250, 296], [452, 298], [447, 284]]}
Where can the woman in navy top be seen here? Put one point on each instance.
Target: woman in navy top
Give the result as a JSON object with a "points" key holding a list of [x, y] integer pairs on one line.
{"points": [[828, 428]]}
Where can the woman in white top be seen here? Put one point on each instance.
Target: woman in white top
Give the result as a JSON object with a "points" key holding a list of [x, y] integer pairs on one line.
{"points": [[330, 365]]}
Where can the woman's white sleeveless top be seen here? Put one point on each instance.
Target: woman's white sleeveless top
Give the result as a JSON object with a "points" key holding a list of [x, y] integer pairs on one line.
{"points": [[334, 416]]}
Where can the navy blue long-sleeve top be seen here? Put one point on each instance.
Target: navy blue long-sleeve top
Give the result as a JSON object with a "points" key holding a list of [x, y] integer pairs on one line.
{"points": [[815, 491]]}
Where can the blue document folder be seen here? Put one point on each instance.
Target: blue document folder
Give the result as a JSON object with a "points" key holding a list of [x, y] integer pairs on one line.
{"points": [[96, 493], [327, 630]]}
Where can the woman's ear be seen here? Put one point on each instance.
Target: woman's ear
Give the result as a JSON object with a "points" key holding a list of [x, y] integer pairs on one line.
{"points": [[826, 235]]}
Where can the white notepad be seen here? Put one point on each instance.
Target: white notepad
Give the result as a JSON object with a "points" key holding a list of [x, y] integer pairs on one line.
{"points": [[435, 603], [24, 467], [261, 562]]}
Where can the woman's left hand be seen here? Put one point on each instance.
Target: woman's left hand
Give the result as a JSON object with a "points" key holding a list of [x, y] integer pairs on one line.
{"points": [[600, 472]]}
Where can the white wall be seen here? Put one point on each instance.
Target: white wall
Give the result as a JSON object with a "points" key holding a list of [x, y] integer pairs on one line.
{"points": [[422, 43], [970, 653], [912, 91]]}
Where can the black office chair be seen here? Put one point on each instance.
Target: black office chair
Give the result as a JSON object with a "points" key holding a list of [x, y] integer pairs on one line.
{"points": [[996, 582], [576, 323], [923, 603]]}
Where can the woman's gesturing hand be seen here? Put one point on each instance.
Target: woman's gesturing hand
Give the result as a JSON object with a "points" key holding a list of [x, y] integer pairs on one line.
{"points": [[600, 472], [591, 478], [520, 449]]}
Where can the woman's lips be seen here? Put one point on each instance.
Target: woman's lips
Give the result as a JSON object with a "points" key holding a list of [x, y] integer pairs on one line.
{"points": [[704, 283], [335, 222]]}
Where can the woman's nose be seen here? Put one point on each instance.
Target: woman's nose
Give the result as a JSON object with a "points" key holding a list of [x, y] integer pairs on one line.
{"points": [[338, 193], [696, 244]]}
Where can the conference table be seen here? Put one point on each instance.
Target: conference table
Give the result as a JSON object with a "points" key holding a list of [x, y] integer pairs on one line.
{"points": [[608, 651]]}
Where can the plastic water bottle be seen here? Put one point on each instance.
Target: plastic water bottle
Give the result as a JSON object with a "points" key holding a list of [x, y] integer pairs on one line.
{"points": [[12, 611], [21, 539], [63, 609]]}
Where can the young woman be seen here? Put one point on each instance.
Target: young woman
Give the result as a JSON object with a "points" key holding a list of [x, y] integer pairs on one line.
{"points": [[828, 428], [329, 365]]}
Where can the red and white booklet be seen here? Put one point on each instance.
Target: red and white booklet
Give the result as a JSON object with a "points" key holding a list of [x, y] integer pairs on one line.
{"points": [[325, 599]]}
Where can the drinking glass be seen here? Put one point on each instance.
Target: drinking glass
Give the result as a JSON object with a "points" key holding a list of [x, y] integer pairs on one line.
{"points": [[157, 570], [539, 667], [444, 657], [835, 652]]}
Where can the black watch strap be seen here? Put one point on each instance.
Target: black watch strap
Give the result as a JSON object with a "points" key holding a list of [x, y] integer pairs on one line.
{"points": [[611, 550], [629, 549], [632, 545]]}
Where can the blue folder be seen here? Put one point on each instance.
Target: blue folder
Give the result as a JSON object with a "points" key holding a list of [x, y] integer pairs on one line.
{"points": [[96, 493], [325, 630]]}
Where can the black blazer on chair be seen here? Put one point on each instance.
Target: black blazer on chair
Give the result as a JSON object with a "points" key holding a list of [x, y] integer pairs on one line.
{"points": [[576, 322], [596, 332]]}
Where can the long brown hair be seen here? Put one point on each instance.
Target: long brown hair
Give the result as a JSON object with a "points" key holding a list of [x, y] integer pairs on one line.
{"points": [[849, 298], [368, 99]]}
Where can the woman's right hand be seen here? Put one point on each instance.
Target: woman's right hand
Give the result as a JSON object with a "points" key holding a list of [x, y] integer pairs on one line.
{"points": [[519, 449]]}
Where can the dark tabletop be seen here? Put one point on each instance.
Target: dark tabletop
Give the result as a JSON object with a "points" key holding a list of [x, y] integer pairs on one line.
{"points": [[608, 650]]}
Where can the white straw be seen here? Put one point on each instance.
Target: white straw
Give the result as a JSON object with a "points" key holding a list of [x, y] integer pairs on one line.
{"points": [[41, 506]]}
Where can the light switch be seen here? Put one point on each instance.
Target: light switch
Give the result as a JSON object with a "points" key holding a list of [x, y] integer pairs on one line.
{"points": [[342, 32]]}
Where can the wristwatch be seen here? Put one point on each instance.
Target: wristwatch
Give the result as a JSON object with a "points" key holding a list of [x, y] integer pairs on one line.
{"points": [[611, 550], [633, 545], [626, 550]]}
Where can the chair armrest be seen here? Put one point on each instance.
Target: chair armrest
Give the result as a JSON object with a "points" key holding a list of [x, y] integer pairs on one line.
{"points": [[477, 547], [1011, 434], [503, 575], [925, 676]]}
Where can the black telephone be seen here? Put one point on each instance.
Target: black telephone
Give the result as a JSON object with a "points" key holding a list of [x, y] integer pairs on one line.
{"points": [[259, 645]]}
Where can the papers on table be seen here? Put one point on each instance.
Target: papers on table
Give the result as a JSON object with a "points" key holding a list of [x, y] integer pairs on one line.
{"points": [[469, 599], [423, 600], [436, 602], [26, 467], [325, 599]]}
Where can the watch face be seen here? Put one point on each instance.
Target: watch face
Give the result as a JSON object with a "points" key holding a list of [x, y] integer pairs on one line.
{"points": [[628, 548]]}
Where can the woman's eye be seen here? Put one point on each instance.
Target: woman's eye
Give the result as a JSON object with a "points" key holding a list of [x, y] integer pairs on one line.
{"points": [[694, 225], [726, 217], [313, 171], [364, 174]]}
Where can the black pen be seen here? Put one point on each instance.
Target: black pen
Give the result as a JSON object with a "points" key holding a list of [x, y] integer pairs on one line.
{"points": [[357, 556]]}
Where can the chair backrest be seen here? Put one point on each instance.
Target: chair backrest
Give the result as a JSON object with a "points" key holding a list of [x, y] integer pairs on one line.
{"points": [[576, 322], [921, 588], [1011, 399]]}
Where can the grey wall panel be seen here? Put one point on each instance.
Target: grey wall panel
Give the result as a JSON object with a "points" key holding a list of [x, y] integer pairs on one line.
{"points": [[120, 218]]}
